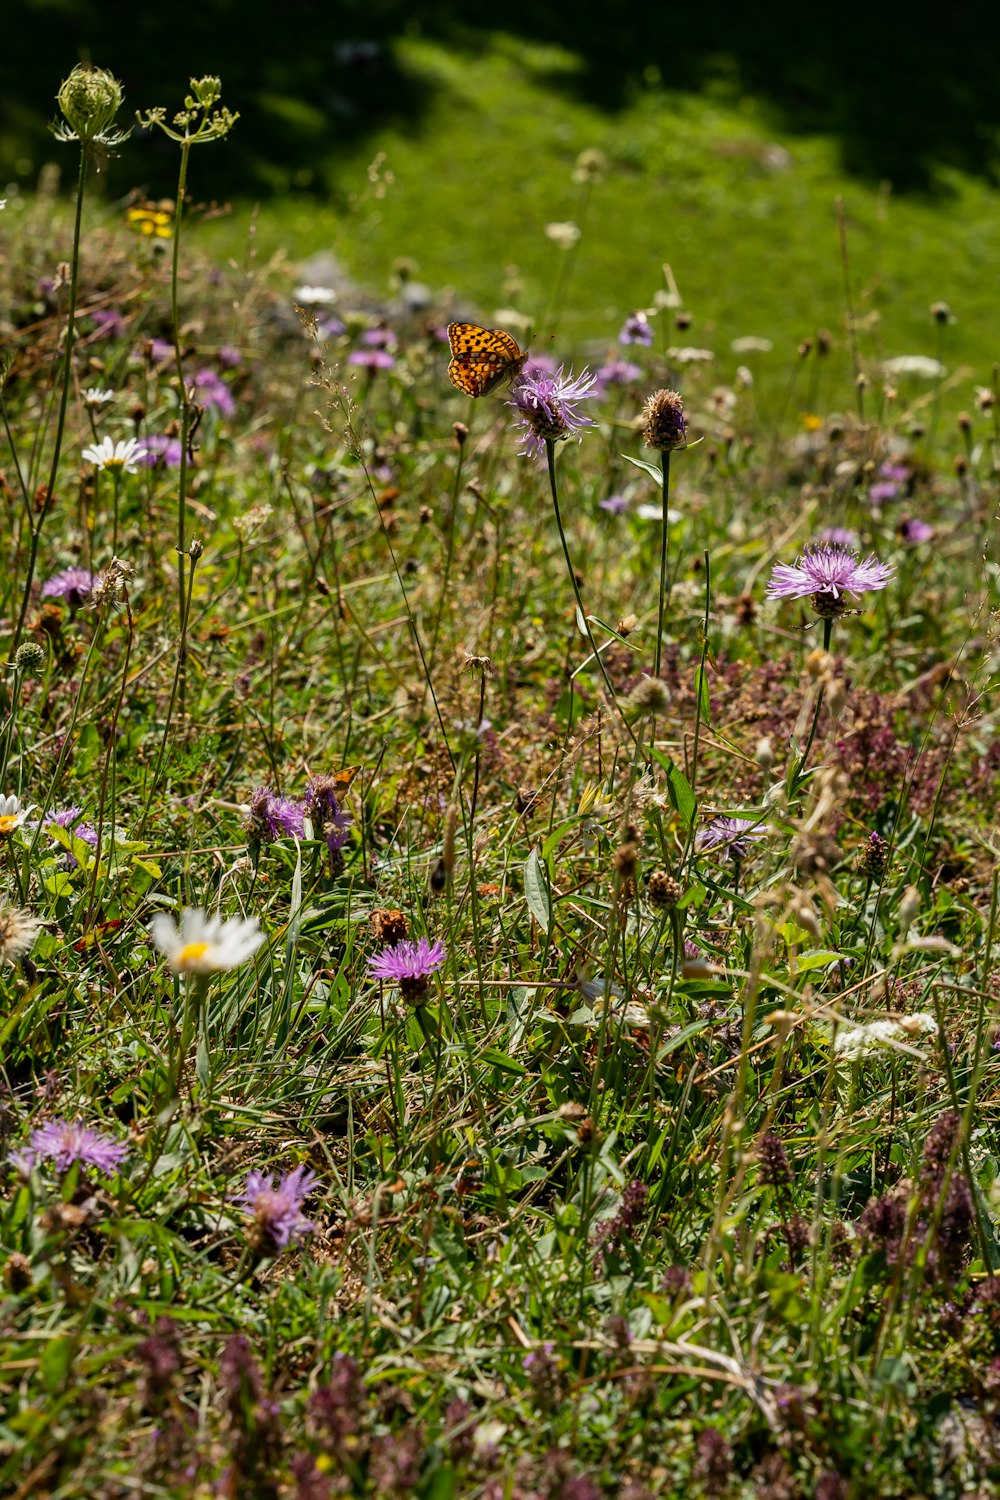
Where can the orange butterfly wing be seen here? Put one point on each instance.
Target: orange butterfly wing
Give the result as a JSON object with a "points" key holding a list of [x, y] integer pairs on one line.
{"points": [[482, 357]]}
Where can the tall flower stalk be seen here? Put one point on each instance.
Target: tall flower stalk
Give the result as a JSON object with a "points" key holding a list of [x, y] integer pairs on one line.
{"points": [[664, 428], [89, 100]]}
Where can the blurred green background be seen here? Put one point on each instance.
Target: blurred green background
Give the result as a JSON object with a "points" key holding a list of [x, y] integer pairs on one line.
{"points": [[729, 132]]}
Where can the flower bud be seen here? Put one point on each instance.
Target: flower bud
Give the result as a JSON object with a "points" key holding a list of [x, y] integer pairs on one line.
{"points": [[29, 659], [664, 423], [89, 99]]}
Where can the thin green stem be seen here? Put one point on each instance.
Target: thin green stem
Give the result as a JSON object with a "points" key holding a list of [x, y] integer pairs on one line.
{"points": [[664, 546]]}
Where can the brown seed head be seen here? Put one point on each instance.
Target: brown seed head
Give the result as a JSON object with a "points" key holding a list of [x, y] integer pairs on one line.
{"points": [[664, 423]]}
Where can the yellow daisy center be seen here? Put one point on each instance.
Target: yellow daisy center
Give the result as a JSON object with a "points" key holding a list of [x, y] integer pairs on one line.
{"points": [[191, 953], [8, 823]]}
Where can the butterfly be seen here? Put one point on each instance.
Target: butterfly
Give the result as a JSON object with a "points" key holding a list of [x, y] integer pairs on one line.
{"points": [[482, 357]]}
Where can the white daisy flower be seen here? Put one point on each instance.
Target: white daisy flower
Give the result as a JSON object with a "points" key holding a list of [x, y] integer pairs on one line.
{"points": [[12, 814], [204, 944], [93, 397], [115, 457], [314, 296]]}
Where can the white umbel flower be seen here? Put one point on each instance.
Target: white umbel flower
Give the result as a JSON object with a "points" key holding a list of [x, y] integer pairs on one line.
{"points": [[12, 814], [115, 456], [204, 944]]}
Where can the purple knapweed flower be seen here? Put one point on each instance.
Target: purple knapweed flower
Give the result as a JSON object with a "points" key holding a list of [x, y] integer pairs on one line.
{"points": [[278, 1220], [159, 351], [272, 817], [75, 585], [547, 405], [214, 393], [330, 327], [410, 965], [161, 452], [828, 573], [615, 504], [839, 536], [69, 818], [371, 359], [733, 835], [895, 473], [884, 491], [66, 1142], [379, 338], [108, 323], [322, 807], [636, 329], [616, 372], [913, 531], [229, 356]]}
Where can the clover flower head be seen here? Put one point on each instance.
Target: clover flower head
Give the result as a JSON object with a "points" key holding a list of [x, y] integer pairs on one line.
{"points": [[204, 945], [827, 573], [278, 1220], [65, 1143], [121, 457], [547, 404]]}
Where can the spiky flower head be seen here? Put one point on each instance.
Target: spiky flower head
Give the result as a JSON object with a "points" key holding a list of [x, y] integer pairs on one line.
{"points": [[278, 1220], [204, 945], [873, 857], [548, 407], [663, 890], [89, 100], [72, 584], [636, 329], [322, 807], [29, 659], [664, 423], [828, 573], [66, 1142], [18, 930], [271, 817], [410, 965]]}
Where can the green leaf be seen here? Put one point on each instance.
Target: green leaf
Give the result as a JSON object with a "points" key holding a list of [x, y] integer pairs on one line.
{"points": [[647, 468], [503, 1061], [681, 795], [56, 1360], [536, 892]]}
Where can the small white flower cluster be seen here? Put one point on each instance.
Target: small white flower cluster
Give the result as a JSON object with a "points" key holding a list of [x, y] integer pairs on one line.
{"points": [[861, 1041]]}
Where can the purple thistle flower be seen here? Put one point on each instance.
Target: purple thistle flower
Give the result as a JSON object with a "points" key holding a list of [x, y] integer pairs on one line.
{"points": [[615, 504], [160, 350], [73, 584], [229, 356], [897, 473], [161, 452], [277, 1211], [66, 1142], [636, 329], [372, 359], [330, 327], [408, 964], [616, 372], [828, 573], [214, 393], [379, 338], [272, 817], [547, 405], [913, 531], [734, 835], [883, 491], [323, 809]]}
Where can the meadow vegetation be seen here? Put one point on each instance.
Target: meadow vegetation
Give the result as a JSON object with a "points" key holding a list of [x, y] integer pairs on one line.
{"points": [[498, 896]]}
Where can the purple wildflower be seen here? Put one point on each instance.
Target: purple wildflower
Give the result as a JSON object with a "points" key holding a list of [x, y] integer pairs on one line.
{"points": [[323, 809], [913, 531], [547, 405], [161, 452], [330, 327], [159, 351], [616, 372], [408, 964], [73, 584], [272, 817], [108, 323], [883, 491], [896, 473], [379, 338], [66, 1142], [615, 504], [636, 330], [828, 573], [277, 1211], [734, 835], [839, 536], [229, 356], [214, 393], [371, 359]]}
